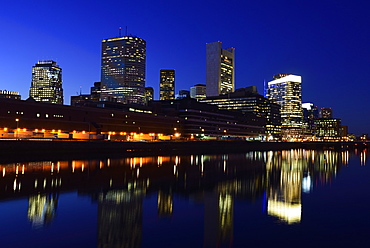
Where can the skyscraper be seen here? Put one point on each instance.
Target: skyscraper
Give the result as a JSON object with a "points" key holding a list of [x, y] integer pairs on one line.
{"points": [[123, 70], [167, 85], [46, 83], [219, 69], [286, 90]]}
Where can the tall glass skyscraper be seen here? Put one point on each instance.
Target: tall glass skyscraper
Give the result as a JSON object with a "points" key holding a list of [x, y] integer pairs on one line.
{"points": [[123, 70], [46, 83], [219, 69], [167, 85], [286, 90]]}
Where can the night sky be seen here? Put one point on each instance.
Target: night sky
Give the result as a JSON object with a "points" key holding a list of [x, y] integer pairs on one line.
{"points": [[325, 42]]}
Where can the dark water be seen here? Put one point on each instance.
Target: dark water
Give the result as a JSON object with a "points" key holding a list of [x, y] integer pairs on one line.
{"points": [[295, 198]]}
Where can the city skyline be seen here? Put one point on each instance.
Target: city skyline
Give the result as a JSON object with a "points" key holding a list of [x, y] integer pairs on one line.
{"points": [[326, 43]]}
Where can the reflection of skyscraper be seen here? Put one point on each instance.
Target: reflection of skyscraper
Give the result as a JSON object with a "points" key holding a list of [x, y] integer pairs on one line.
{"points": [[284, 194], [123, 70], [218, 219], [219, 69], [46, 83], [165, 204], [120, 218], [167, 85], [42, 209]]}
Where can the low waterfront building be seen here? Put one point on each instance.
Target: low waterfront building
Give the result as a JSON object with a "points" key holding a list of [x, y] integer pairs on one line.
{"points": [[30, 119], [247, 100], [200, 120]]}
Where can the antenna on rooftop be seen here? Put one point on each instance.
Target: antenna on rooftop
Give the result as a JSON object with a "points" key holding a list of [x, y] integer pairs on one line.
{"points": [[120, 28], [126, 30]]}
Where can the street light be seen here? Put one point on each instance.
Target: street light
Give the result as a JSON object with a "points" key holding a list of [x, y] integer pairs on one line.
{"points": [[16, 134]]}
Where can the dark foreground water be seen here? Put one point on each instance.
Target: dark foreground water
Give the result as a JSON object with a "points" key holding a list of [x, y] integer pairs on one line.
{"points": [[295, 198]]}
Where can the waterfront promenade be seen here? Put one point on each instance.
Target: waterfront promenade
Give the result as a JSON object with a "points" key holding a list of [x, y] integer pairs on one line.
{"points": [[26, 149]]}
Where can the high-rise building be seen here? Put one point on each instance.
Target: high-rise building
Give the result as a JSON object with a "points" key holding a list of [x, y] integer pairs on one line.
{"points": [[198, 91], [220, 65], [167, 85], [46, 83], [123, 70], [286, 90]]}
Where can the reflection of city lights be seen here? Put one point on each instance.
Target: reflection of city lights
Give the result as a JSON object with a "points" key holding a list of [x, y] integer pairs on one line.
{"points": [[363, 157], [287, 212], [160, 160], [306, 184]]}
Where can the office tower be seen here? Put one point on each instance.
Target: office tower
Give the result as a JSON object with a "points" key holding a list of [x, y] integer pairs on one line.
{"points": [[149, 94], [286, 91], [220, 65], [198, 91], [326, 113], [167, 85], [123, 70], [46, 83]]}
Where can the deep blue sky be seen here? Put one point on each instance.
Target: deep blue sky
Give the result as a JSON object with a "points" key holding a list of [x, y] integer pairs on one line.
{"points": [[326, 42]]}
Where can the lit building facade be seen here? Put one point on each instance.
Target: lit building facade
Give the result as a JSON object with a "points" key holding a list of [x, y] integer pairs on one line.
{"points": [[9, 94], [149, 94], [286, 90], [328, 129], [46, 83], [167, 85], [198, 91], [247, 100], [204, 121], [220, 66], [123, 70]]}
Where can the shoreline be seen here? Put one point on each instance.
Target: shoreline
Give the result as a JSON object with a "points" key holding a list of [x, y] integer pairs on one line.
{"points": [[52, 150]]}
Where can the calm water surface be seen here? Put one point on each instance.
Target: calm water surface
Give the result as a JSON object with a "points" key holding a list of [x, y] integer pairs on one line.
{"points": [[295, 198]]}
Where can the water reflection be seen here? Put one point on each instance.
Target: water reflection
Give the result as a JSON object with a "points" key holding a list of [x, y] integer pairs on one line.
{"points": [[119, 187]]}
